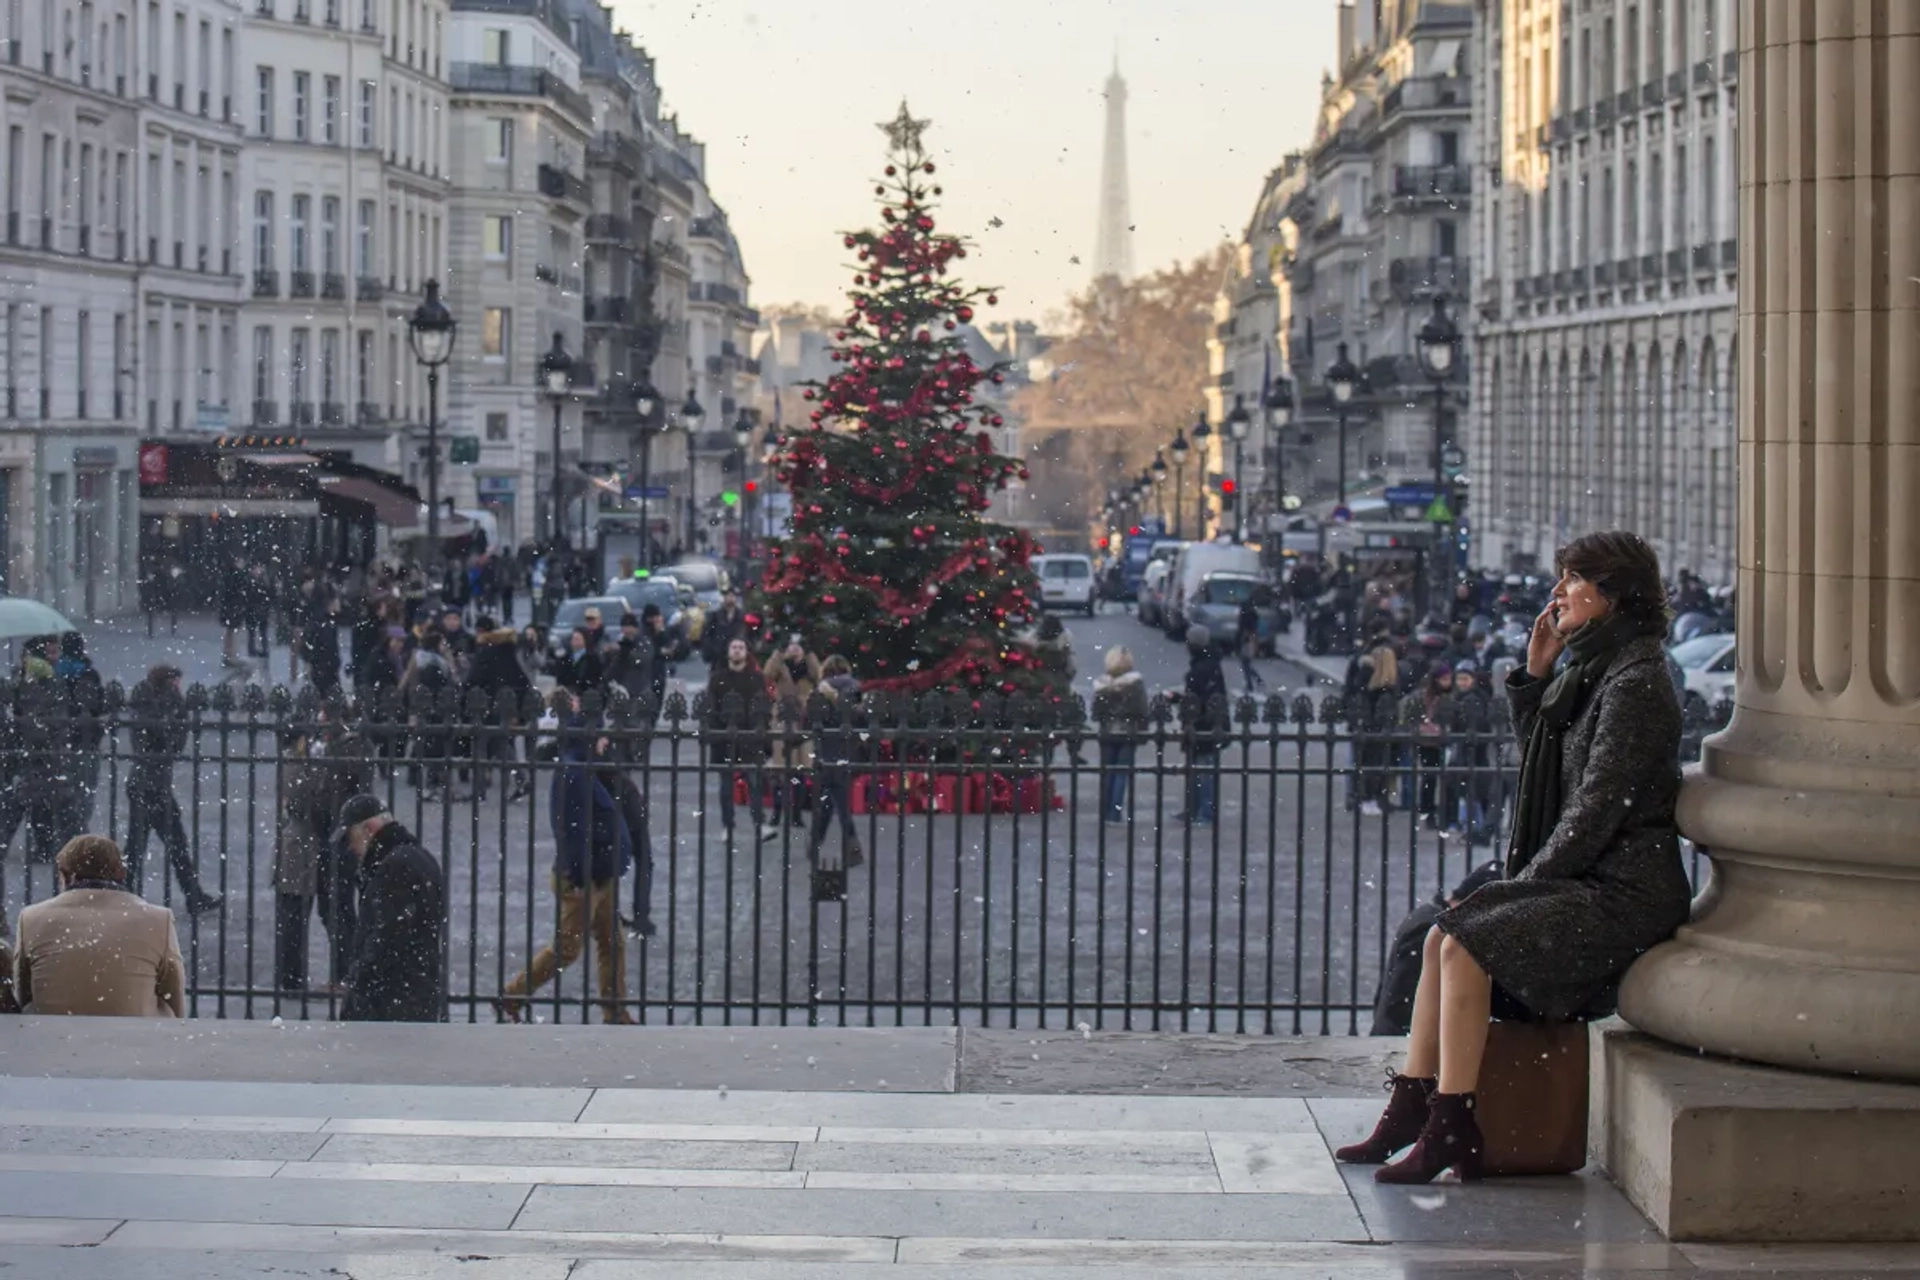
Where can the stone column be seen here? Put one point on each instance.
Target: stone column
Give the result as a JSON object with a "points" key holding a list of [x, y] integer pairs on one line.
{"points": [[1805, 949]]}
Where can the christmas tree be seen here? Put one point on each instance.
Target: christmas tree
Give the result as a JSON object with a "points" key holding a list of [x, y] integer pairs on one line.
{"points": [[890, 560]]}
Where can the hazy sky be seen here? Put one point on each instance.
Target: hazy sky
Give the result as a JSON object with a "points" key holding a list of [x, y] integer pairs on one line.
{"points": [[786, 94]]}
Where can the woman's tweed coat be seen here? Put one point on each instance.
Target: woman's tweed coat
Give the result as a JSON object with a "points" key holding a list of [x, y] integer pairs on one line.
{"points": [[1561, 929]]}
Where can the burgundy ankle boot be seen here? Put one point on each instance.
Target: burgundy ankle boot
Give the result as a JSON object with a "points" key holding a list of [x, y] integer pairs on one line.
{"points": [[1450, 1140], [1400, 1123]]}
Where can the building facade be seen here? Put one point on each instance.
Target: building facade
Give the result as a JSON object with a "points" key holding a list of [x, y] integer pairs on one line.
{"points": [[1379, 231], [519, 208], [1605, 356], [342, 218], [70, 119]]}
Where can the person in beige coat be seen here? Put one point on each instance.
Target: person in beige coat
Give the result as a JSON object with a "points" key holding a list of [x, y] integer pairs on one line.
{"points": [[96, 949]]}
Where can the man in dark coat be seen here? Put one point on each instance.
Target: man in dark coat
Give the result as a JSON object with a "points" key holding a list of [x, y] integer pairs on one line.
{"points": [[736, 715], [324, 768], [726, 625], [496, 669], [399, 963], [159, 738], [1205, 695]]}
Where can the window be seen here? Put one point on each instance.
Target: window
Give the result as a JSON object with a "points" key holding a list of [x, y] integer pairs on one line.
{"points": [[205, 80], [1607, 214], [263, 363], [330, 234], [369, 93], [329, 366], [1632, 43], [1682, 231], [1446, 238], [263, 102], [1630, 209], [297, 367], [1656, 41], [363, 367], [86, 193], [83, 360], [496, 428], [1586, 66], [493, 46], [500, 141], [263, 231], [493, 333], [302, 91], [1586, 221], [496, 237], [330, 110], [1709, 190], [1609, 84], [363, 241], [297, 233], [1656, 204], [1566, 224]]}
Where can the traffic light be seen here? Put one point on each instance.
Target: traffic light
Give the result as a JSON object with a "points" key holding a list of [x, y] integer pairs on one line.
{"points": [[752, 487], [729, 498], [1227, 488]]}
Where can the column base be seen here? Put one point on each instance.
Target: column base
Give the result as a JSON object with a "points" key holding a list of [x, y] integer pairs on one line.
{"points": [[1714, 1150]]}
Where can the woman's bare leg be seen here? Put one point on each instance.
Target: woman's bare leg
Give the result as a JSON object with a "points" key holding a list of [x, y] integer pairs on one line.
{"points": [[1466, 1000], [1423, 1040]]}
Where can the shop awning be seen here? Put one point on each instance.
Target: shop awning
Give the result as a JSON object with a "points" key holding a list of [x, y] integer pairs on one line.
{"points": [[395, 510], [232, 508]]}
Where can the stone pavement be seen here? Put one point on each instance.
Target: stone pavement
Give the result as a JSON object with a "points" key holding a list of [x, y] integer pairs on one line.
{"points": [[262, 1152]]}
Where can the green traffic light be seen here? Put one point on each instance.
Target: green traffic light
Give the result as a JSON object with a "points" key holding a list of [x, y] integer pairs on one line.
{"points": [[731, 498]]}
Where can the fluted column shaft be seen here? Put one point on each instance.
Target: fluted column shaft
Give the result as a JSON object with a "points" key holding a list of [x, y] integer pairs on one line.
{"points": [[1805, 949]]}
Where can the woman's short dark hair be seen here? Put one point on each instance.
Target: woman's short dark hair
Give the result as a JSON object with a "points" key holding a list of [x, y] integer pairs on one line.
{"points": [[1623, 567]]}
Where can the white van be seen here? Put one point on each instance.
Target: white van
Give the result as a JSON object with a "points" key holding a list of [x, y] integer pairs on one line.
{"points": [[1066, 582], [1191, 565]]}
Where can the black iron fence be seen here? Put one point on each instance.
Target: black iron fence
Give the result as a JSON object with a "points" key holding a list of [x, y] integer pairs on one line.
{"points": [[1017, 864]]}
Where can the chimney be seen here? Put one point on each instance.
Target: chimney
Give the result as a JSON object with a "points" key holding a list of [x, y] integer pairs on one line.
{"points": [[1345, 27]]}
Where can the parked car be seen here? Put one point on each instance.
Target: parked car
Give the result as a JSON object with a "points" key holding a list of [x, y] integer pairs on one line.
{"points": [[1706, 667], [1066, 582], [707, 578], [1191, 565], [1215, 604], [1153, 591]]}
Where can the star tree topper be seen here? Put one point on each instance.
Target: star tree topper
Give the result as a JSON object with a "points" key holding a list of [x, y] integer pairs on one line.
{"points": [[903, 131]]}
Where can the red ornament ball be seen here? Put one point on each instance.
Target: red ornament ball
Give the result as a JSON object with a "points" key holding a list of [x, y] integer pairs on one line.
{"points": [[927, 167], [923, 337], [808, 394], [993, 299], [950, 325], [890, 171], [965, 313]]}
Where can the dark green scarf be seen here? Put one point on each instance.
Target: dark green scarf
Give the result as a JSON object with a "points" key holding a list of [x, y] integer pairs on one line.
{"points": [[1590, 652]]}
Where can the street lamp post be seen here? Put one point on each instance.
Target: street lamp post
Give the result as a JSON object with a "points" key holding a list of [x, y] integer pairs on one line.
{"points": [[1154, 480], [1342, 380], [691, 413], [645, 402], [430, 332], [769, 457], [743, 441], [1239, 423], [1180, 450], [556, 379], [1201, 434], [1439, 340], [1279, 407]]}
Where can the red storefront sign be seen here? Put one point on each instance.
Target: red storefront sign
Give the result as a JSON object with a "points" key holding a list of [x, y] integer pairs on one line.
{"points": [[153, 464]]}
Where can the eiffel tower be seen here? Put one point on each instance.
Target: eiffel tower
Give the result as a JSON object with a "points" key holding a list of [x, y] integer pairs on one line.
{"points": [[1113, 253]]}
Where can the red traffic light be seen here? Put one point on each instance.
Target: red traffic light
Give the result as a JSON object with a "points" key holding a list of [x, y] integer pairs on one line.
{"points": [[1134, 532], [753, 486], [1226, 486]]}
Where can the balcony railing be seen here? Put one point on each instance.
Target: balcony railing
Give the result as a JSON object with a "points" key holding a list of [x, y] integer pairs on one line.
{"points": [[1422, 181], [707, 229], [491, 78], [332, 414], [557, 184], [300, 413], [1702, 258], [300, 284], [607, 310], [1421, 277], [266, 413], [1603, 275], [1730, 64], [369, 415], [1729, 254], [621, 150], [266, 284], [711, 291], [1424, 93], [1652, 94], [1582, 120], [333, 285], [545, 274], [368, 289], [1627, 270], [1522, 288], [1626, 102], [1562, 128], [609, 227], [1603, 113], [1703, 74], [1650, 267]]}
